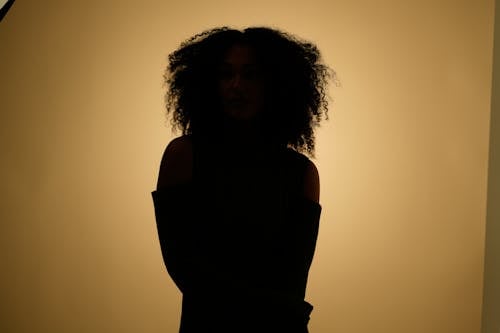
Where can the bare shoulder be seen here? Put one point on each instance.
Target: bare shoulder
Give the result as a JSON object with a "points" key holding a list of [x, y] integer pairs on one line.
{"points": [[177, 162], [180, 145], [311, 181]]}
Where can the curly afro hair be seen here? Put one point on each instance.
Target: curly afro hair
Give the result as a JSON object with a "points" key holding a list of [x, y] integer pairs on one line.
{"points": [[297, 75]]}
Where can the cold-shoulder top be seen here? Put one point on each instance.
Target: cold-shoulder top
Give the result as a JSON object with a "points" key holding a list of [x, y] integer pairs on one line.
{"points": [[238, 241]]}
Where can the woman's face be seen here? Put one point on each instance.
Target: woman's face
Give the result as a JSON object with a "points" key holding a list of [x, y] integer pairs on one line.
{"points": [[241, 83]]}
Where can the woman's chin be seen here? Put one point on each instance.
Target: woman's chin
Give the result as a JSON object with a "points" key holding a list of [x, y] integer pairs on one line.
{"points": [[240, 114]]}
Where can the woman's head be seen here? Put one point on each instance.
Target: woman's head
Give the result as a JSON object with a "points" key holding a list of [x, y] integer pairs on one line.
{"points": [[241, 84], [256, 74]]}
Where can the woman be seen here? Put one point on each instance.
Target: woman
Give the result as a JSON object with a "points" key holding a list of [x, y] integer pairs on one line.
{"points": [[237, 201]]}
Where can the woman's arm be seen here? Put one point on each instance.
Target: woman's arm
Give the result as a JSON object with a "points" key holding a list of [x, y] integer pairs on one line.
{"points": [[183, 230], [177, 163], [311, 182], [174, 199]]}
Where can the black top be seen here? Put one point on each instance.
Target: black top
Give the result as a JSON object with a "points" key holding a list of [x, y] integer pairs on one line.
{"points": [[238, 240]]}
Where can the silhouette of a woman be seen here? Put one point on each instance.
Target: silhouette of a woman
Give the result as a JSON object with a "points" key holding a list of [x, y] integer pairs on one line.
{"points": [[237, 202]]}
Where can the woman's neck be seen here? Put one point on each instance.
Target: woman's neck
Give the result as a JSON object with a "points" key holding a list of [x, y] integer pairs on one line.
{"points": [[246, 134]]}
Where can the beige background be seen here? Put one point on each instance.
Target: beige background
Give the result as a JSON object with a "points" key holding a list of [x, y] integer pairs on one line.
{"points": [[403, 161]]}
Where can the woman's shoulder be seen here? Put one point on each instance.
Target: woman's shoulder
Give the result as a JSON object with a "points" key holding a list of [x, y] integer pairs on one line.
{"points": [[180, 145], [176, 163], [307, 171], [299, 159]]}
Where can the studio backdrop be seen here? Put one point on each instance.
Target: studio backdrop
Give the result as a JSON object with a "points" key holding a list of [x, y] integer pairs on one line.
{"points": [[403, 160]]}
